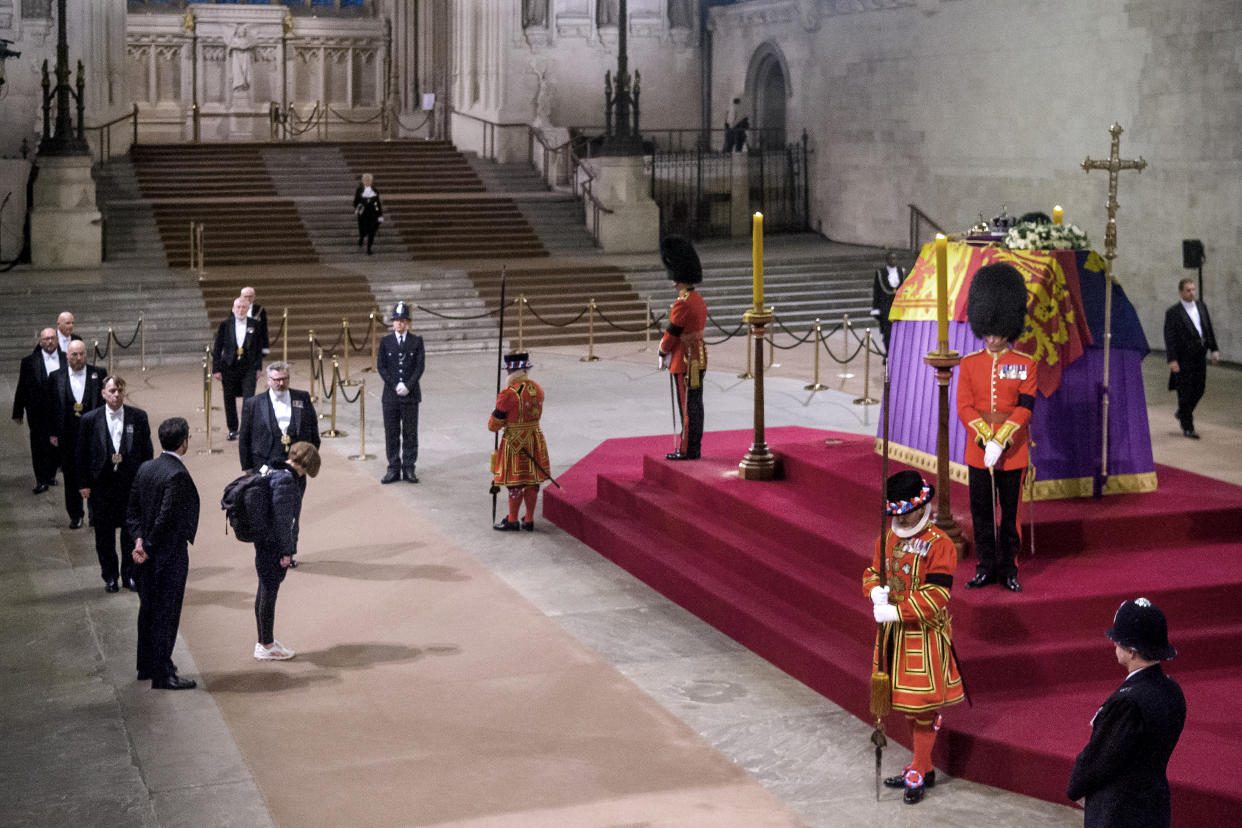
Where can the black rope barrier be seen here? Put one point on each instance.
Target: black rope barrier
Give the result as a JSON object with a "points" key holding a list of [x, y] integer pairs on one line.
{"points": [[358, 349], [581, 314], [127, 345], [833, 356], [728, 335], [612, 324], [104, 353], [279, 331], [345, 394], [374, 117], [327, 391], [488, 312], [862, 340], [340, 337]]}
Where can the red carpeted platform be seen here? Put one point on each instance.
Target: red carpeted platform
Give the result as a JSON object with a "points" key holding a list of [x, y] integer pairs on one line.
{"points": [[778, 567]]}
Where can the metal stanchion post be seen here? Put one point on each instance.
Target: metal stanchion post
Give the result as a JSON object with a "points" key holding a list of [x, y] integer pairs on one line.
{"points": [[373, 328], [866, 398], [193, 251], [521, 322], [206, 376], [319, 375], [590, 357], [284, 336], [202, 269], [142, 342], [314, 390], [845, 336], [337, 385], [772, 363], [207, 410], [749, 373], [816, 385], [111, 341], [347, 346], [362, 425], [647, 327]]}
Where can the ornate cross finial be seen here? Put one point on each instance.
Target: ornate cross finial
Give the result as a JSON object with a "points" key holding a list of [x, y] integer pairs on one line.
{"points": [[1114, 165]]}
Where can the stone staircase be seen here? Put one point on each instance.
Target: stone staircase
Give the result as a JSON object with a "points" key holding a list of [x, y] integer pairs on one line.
{"points": [[557, 217]]}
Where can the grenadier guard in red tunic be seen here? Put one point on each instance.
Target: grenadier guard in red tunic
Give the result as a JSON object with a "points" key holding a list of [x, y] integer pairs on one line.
{"points": [[914, 644], [995, 397], [682, 348], [521, 463]]}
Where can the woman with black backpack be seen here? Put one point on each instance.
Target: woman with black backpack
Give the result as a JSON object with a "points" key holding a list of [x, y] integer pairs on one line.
{"points": [[274, 550]]}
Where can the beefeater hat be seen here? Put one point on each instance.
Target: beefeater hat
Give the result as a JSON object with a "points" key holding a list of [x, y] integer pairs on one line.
{"points": [[517, 361], [906, 491], [996, 304], [680, 260]]}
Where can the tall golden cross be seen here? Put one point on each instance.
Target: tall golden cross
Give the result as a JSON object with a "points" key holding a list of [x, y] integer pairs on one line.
{"points": [[1114, 165]]}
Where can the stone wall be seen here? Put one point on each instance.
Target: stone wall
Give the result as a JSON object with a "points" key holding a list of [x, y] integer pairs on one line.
{"points": [[962, 106]]}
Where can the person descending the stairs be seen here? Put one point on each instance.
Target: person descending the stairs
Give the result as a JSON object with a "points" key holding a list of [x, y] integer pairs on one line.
{"points": [[682, 349], [521, 463], [914, 643], [369, 210]]}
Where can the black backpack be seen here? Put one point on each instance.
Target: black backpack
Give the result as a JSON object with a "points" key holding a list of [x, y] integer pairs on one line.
{"points": [[247, 504]]}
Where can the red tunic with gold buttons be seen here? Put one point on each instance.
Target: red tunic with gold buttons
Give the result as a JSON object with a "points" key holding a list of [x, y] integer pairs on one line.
{"points": [[918, 653], [518, 409], [683, 340], [995, 396]]}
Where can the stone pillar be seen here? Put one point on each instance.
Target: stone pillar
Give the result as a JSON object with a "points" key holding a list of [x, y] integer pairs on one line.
{"points": [[65, 226], [633, 225]]}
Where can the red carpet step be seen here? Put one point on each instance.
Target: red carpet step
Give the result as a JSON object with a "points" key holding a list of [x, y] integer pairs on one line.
{"points": [[778, 567]]}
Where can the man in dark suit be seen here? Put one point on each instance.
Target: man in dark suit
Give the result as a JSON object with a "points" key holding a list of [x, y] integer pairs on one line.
{"points": [[258, 314], [113, 441], [1122, 772], [237, 360], [883, 288], [72, 391], [162, 518], [30, 402], [273, 421], [400, 363], [1188, 341]]}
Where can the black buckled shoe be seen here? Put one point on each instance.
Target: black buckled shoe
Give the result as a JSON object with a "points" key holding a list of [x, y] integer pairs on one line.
{"points": [[506, 525], [110, 586], [1011, 584], [391, 477], [173, 682], [981, 579], [899, 781], [677, 455], [528, 526]]}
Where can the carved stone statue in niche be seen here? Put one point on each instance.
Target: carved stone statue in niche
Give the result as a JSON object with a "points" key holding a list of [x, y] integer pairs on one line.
{"points": [[241, 44], [543, 94], [680, 14], [534, 13], [607, 13]]}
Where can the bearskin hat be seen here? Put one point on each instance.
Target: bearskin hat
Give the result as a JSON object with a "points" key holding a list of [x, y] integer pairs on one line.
{"points": [[996, 304], [906, 491], [680, 260]]}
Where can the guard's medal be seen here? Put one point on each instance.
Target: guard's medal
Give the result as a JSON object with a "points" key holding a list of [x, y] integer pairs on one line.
{"points": [[116, 460], [77, 409], [240, 350], [285, 440]]}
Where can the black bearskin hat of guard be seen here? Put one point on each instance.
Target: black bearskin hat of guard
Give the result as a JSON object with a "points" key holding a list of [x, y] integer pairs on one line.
{"points": [[680, 260], [996, 304]]}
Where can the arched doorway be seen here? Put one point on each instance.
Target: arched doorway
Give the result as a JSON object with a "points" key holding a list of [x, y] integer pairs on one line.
{"points": [[768, 83]]}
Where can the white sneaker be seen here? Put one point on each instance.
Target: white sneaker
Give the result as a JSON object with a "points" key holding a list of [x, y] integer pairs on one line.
{"points": [[276, 652]]}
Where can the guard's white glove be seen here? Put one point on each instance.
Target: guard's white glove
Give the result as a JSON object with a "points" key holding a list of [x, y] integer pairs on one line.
{"points": [[885, 613], [875, 312], [402, 390], [879, 595], [991, 453], [663, 361], [381, 219]]}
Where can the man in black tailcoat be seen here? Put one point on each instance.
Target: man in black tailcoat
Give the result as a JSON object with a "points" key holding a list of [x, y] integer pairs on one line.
{"points": [[113, 441], [1188, 342], [1122, 773], [30, 402], [883, 290], [237, 360], [400, 363], [274, 420], [163, 519], [72, 391]]}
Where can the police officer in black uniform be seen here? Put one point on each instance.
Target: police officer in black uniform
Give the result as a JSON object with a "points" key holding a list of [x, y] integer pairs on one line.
{"points": [[400, 364], [1122, 772]]}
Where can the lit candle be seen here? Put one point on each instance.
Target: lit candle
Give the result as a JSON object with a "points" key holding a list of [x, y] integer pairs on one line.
{"points": [[757, 259], [942, 291], [1057, 214]]}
